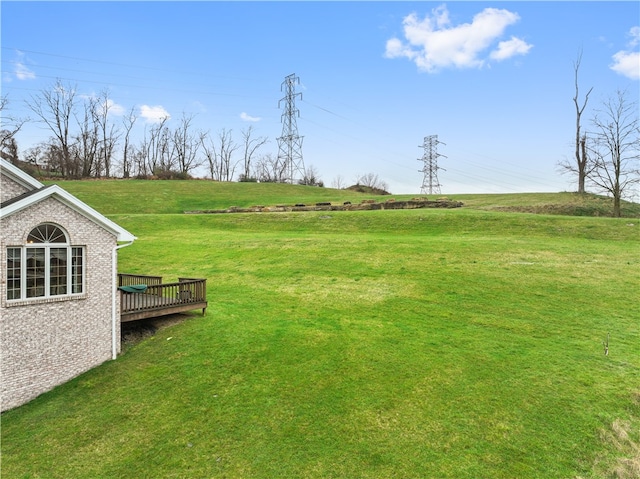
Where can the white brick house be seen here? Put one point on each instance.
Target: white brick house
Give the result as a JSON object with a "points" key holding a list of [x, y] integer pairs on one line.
{"points": [[59, 304]]}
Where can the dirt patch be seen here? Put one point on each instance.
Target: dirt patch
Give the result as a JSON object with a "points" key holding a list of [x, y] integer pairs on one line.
{"points": [[627, 466], [135, 331], [622, 459]]}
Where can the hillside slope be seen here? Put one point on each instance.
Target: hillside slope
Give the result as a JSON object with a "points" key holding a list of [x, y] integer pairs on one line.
{"points": [[162, 197]]}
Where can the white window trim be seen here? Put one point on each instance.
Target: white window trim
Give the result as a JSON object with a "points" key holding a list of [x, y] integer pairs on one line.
{"points": [[47, 283], [47, 297]]}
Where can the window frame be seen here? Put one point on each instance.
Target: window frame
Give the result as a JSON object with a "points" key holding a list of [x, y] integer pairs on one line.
{"points": [[41, 281]]}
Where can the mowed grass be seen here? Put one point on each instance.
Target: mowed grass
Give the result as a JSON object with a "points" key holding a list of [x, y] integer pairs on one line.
{"points": [[402, 344], [158, 197], [161, 197]]}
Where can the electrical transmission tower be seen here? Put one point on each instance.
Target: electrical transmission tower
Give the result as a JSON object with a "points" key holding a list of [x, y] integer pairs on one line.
{"points": [[430, 183], [290, 143]]}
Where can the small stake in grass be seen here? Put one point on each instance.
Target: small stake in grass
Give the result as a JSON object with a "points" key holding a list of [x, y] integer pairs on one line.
{"points": [[606, 346]]}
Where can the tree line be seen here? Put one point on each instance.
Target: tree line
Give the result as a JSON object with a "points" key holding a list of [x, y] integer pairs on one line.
{"points": [[87, 141]]}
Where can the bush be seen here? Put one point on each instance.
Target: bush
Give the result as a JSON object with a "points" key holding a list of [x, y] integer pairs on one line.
{"points": [[247, 179], [170, 175], [368, 190]]}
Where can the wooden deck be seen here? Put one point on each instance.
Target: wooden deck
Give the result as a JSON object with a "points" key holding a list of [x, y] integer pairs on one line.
{"points": [[160, 299]]}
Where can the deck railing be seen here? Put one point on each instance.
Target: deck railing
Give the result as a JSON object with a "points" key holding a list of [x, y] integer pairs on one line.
{"points": [[159, 299], [132, 279]]}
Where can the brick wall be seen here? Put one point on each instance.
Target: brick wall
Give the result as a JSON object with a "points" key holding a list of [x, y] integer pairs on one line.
{"points": [[46, 343], [10, 189]]}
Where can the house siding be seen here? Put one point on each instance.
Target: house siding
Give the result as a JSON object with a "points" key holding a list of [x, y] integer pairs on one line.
{"points": [[45, 343]]}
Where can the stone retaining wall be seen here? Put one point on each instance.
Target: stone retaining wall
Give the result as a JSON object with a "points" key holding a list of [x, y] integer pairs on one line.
{"points": [[366, 205]]}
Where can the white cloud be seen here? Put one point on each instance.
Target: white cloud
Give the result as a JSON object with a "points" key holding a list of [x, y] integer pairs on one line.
{"points": [[23, 72], [153, 114], [244, 116], [433, 43], [510, 48], [627, 62]]}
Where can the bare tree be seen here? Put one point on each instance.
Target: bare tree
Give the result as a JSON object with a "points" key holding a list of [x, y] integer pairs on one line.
{"points": [[10, 126], [186, 145], [8, 147], [127, 149], [34, 156], [211, 155], [311, 177], [84, 149], [338, 183], [87, 151], [45, 155], [220, 156], [251, 145], [109, 133], [165, 150], [268, 169], [615, 148], [138, 161], [371, 180], [226, 150], [155, 148], [55, 108], [581, 165]]}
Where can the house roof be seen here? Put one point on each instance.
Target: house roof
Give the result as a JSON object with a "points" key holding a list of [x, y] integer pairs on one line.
{"points": [[15, 199], [16, 174], [39, 192]]}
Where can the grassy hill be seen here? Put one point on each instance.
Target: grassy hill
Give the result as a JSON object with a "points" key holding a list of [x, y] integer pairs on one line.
{"points": [[158, 197], [463, 343]]}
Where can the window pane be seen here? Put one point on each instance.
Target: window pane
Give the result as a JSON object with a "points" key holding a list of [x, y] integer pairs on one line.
{"points": [[77, 262], [57, 271], [13, 273], [36, 269], [46, 233]]}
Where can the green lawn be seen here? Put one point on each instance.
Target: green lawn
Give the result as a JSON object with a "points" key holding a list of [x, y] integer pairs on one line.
{"points": [[161, 197], [158, 197], [379, 344]]}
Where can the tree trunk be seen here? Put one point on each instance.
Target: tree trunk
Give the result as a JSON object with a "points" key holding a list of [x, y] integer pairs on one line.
{"points": [[581, 153], [582, 173], [617, 213]]}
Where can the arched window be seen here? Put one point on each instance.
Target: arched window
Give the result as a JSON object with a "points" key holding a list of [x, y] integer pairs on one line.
{"points": [[47, 233], [46, 266]]}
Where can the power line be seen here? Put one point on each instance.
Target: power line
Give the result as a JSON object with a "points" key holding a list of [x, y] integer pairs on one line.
{"points": [[503, 170], [103, 62]]}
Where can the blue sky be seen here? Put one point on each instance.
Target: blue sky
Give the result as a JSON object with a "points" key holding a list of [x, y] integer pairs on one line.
{"points": [[494, 80]]}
